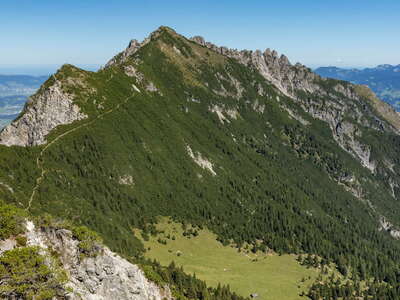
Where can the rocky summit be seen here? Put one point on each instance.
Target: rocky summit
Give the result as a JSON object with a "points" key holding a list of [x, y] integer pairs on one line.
{"points": [[267, 155]]}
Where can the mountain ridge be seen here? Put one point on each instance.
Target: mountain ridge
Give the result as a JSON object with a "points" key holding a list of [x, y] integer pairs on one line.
{"points": [[308, 165], [289, 79]]}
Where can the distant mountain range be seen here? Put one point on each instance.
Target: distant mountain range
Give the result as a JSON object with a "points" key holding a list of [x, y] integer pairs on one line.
{"points": [[384, 80], [14, 91]]}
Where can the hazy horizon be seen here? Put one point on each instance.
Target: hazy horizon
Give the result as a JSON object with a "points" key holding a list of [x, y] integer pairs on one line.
{"points": [[47, 70], [342, 33], [39, 70]]}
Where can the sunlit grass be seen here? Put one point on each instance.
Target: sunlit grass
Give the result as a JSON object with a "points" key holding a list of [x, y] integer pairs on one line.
{"points": [[271, 276]]}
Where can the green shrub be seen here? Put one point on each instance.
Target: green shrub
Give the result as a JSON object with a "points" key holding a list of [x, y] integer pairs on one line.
{"points": [[89, 241], [152, 275], [11, 221], [46, 220], [25, 273], [21, 240]]}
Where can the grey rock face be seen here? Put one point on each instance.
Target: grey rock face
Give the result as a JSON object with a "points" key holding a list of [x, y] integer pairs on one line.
{"points": [[44, 112], [133, 46], [276, 69], [199, 40], [346, 136], [387, 226], [106, 276]]}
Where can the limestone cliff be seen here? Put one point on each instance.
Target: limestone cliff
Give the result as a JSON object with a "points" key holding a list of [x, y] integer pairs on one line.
{"points": [[46, 110]]}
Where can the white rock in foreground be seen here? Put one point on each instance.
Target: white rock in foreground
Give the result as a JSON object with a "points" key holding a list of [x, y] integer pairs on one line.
{"points": [[106, 276]]}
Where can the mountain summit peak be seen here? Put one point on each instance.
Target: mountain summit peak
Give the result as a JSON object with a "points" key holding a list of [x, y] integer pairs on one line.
{"points": [[134, 45]]}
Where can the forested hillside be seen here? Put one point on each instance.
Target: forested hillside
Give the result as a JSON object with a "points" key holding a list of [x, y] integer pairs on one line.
{"points": [[259, 151]]}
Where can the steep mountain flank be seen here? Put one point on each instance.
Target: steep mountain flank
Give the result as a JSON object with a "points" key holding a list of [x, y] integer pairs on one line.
{"points": [[264, 153], [308, 89]]}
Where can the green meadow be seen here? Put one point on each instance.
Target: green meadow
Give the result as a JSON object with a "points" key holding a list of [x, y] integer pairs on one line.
{"points": [[271, 276]]}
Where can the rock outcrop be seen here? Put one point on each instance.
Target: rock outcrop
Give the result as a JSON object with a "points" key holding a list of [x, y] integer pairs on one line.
{"points": [[45, 111], [133, 46], [276, 69], [389, 227], [102, 277]]}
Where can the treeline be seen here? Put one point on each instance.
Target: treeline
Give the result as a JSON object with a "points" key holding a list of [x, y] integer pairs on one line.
{"points": [[354, 290]]}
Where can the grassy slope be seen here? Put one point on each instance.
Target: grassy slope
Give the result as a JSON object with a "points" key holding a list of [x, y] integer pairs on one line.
{"points": [[383, 109], [271, 276]]}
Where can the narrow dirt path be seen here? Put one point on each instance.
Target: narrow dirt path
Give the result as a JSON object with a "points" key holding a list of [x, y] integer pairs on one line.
{"points": [[39, 161]]}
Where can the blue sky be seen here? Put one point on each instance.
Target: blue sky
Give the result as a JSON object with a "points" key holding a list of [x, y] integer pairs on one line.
{"points": [[41, 34]]}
